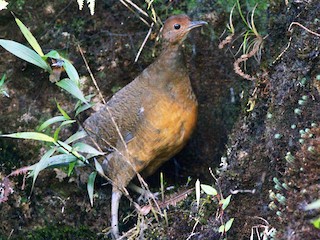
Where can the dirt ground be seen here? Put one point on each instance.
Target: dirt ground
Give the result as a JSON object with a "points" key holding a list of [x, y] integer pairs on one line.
{"points": [[254, 143]]}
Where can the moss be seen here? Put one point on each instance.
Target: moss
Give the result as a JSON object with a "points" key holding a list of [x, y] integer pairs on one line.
{"points": [[59, 232]]}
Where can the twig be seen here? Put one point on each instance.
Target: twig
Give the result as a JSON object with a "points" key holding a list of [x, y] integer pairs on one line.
{"points": [[136, 7], [11, 232], [193, 229], [144, 42], [91, 75], [290, 39], [216, 179], [286, 48], [142, 19], [108, 109], [300, 25]]}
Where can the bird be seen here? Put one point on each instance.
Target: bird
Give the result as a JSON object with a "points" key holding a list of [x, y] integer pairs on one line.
{"points": [[149, 120]]}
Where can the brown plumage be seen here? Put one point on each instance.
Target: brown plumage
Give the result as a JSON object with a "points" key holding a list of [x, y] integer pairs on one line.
{"points": [[155, 113]]}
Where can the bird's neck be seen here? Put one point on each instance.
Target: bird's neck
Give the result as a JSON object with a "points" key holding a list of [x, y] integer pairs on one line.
{"points": [[172, 56], [169, 68]]}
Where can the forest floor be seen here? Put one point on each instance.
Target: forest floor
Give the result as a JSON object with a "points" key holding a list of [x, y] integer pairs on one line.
{"points": [[260, 144]]}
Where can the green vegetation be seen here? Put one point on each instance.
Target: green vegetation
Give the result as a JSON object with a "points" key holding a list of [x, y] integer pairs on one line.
{"points": [[223, 203], [252, 41], [3, 90], [18, 4], [244, 8], [60, 153], [61, 232]]}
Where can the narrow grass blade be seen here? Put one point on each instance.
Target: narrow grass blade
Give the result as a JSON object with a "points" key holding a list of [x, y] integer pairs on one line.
{"points": [[51, 121], [30, 38], [99, 168], [2, 79], [83, 108], [83, 147], [42, 164], [71, 167], [65, 146], [71, 87], [71, 71], [75, 137], [49, 161], [25, 53], [67, 122], [63, 112], [30, 135], [90, 186]]}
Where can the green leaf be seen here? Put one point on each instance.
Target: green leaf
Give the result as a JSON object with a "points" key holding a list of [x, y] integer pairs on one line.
{"points": [[62, 111], [71, 71], [62, 160], [67, 65], [53, 54], [64, 123], [48, 161], [99, 168], [225, 202], [63, 151], [313, 205], [30, 135], [228, 225], [2, 79], [83, 108], [221, 229], [42, 164], [65, 146], [80, 157], [83, 147], [51, 121], [67, 122], [90, 186], [71, 87], [87, 97], [209, 190], [25, 53], [78, 135], [56, 134], [316, 223], [2, 87], [71, 167], [30, 38]]}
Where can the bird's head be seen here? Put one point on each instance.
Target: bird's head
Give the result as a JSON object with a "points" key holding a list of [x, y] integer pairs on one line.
{"points": [[176, 28]]}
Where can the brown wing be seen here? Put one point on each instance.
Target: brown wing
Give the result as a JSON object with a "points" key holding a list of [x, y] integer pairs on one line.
{"points": [[125, 108]]}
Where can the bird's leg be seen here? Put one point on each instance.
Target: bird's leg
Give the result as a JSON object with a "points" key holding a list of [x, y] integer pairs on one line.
{"points": [[144, 193], [116, 195]]}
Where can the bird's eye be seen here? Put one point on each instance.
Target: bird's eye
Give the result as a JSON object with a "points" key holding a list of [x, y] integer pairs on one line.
{"points": [[177, 26]]}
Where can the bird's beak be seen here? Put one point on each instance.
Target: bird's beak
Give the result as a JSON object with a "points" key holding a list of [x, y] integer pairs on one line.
{"points": [[195, 24]]}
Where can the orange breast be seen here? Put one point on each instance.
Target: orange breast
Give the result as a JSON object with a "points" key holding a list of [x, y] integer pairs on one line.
{"points": [[164, 131]]}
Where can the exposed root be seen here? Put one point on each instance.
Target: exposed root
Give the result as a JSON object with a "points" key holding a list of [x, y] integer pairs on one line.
{"points": [[244, 57]]}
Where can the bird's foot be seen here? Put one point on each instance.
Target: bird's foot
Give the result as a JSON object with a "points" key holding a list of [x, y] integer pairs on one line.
{"points": [[144, 193]]}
